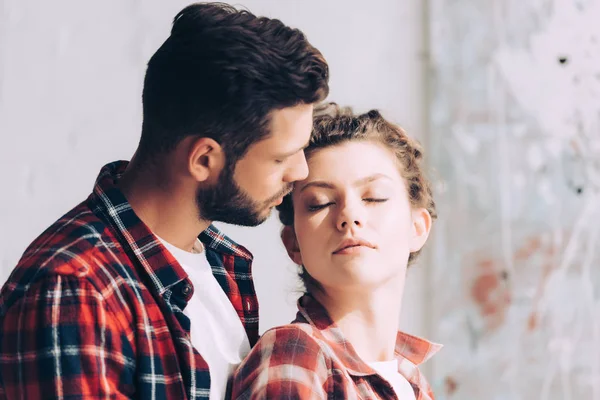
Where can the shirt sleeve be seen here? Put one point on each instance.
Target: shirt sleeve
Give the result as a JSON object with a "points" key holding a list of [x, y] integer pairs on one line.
{"points": [[59, 340], [286, 363]]}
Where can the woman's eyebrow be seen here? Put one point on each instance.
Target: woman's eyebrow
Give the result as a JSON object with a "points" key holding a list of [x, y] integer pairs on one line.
{"points": [[359, 182]]}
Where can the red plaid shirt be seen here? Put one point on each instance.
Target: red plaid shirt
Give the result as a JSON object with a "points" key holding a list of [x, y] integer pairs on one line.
{"points": [[94, 307], [310, 359]]}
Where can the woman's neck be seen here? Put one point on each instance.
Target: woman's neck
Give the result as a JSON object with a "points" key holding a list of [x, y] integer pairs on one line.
{"points": [[368, 319]]}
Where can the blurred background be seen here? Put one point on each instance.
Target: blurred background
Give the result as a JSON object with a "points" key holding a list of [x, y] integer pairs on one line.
{"points": [[504, 95]]}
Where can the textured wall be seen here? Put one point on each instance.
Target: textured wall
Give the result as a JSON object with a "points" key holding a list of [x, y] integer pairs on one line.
{"points": [[515, 118], [70, 87]]}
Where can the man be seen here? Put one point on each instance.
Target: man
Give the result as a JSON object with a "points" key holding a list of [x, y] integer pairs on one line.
{"points": [[134, 293]]}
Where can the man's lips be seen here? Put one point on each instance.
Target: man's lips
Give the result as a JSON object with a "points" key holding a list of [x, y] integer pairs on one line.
{"points": [[279, 199]]}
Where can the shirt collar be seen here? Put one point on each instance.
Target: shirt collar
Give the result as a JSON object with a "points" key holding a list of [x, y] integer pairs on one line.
{"points": [[409, 349], [139, 241]]}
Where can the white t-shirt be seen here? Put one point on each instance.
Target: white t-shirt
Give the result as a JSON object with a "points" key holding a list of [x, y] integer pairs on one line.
{"points": [[216, 330], [389, 371]]}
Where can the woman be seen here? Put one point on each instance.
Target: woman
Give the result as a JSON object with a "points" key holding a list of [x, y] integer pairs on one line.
{"points": [[353, 225]]}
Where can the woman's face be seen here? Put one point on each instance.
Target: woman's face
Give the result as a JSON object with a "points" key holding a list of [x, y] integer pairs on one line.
{"points": [[353, 221]]}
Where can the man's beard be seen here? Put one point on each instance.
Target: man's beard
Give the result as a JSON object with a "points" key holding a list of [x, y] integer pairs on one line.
{"points": [[229, 203]]}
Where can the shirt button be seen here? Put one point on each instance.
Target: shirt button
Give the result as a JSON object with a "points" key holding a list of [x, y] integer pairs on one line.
{"points": [[248, 305], [187, 289]]}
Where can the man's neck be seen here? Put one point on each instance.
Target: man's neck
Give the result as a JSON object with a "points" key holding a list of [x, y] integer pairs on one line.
{"points": [[163, 205], [369, 319]]}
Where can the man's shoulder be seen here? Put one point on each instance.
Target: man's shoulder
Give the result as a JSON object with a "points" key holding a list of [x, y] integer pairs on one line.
{"points": [[75, 247], [70, 244]]}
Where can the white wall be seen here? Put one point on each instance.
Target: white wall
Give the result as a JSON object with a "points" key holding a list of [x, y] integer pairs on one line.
{"points": [[70, 87]]}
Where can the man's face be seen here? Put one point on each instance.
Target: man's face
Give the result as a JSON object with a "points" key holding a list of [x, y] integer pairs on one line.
{"points": [[246, 194]]}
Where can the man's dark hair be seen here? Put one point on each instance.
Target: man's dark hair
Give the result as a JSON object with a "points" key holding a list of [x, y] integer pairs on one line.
{"points": [[220, 74]]}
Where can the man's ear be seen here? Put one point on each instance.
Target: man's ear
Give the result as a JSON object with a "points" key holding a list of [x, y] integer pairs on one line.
{"points": [[206, 159], [288, 236], [421, 225]]}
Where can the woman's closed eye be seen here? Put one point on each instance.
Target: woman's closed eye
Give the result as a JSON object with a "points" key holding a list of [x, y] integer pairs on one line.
{"points": [[320, 206], [317, 207], [375, 200]]}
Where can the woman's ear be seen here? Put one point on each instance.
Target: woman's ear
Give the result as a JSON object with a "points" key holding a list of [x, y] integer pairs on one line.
{"points": [[288, 236], [421, 220]]}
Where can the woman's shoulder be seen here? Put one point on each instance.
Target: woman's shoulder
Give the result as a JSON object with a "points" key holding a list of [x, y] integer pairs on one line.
{"points": [[296, 344], [287, 362], [288, 338]]}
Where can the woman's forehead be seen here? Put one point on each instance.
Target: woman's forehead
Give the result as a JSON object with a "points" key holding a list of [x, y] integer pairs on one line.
{"points": [[353, 161]]}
